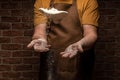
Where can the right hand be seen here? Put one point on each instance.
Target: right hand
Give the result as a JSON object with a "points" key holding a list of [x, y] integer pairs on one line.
{"points": [[39, 45]]}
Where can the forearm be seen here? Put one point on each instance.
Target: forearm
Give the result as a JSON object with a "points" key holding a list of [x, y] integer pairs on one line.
{"points": [[89, 37], [40, 31], [88, 41]]}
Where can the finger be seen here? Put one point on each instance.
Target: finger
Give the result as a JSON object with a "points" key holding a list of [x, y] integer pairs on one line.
{"points": [[72, 55], [80, 49], [31, 44], [66, 54], [41, 50], [38, 48], [48, 46], [62, 53], [45, 50]]}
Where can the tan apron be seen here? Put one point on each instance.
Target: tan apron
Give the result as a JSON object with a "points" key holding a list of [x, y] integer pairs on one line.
{"points": [[65, 29]]}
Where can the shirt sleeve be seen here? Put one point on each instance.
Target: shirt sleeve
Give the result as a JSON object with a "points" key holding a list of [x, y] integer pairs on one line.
{"points": [[39, 17], [90, 13]]}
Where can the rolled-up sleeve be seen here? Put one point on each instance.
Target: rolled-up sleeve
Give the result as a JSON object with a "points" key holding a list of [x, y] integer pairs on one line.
{"points": [[39, 18], [90, 13]]}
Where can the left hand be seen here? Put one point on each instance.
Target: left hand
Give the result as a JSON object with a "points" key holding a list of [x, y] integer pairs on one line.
{"points": [[72, 50]]}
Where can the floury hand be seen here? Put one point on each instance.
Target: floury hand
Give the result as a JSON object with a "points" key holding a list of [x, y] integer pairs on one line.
{"points": [[39, 45], [72, 50]]}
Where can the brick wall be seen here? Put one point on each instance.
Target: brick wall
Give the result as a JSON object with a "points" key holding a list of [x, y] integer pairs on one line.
{"points": [[16, 28], [107, 65]]}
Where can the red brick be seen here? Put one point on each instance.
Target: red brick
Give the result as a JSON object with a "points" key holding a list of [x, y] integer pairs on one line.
{"points": [[99, 74], [12, 60], [23, 12], [0, 33], [27, 19], [100, 59], [4, 0], [5, 40], [107, 39], [21, 40], [11, 5], [104, 78], [105, 67], [117, 67], [22, 26], [17, 13], [5, 53], [11, 74], [31, 60], [5, 67], [11, 47], [10, 19], [20, 0], [117, 52], [117, 72], [12, 33], [0, 61], [23, 79], [112, 59], [113, 4], [112, 18], [27, 5], [106, 32], [117, 32], [118, 18], [0, 74], [5, 26], [37, 54], [118, 12], [5, 79], [36, 67], [108, 11], [104, 53], [22, 67], [4, 12], [30, 74], [22, 54], [100, 45], [102, 4], [109, 73], [108, 25], [28, 33]]}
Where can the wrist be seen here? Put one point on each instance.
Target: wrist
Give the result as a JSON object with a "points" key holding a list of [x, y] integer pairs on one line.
{"points": [[42, 39], [81, 42], [39, 37]]}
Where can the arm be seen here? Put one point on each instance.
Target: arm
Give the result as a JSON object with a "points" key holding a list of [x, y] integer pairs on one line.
{"points": [[87, 42], [40, 31], [90, 36], [89, 20], [39, 39]]}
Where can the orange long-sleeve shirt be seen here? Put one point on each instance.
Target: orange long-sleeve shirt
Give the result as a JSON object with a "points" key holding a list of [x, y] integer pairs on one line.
{"points": [[87, 10]]}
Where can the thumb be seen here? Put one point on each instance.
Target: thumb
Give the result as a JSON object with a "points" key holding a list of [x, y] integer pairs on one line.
{"points": [[80, 49], [48, 46], [31, 44]]}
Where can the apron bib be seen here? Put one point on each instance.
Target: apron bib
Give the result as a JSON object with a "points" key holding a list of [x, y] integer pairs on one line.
{"points": [[65, 29]]}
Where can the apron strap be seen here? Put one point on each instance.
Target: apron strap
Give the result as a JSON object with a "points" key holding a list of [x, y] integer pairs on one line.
{"points": [[51, 3]]}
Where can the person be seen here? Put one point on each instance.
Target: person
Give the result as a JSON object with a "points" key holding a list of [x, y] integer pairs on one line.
{"points": [[65, 42]]}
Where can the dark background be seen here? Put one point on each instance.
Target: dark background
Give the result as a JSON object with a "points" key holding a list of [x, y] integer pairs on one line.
{"points": [[16, 28]]}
